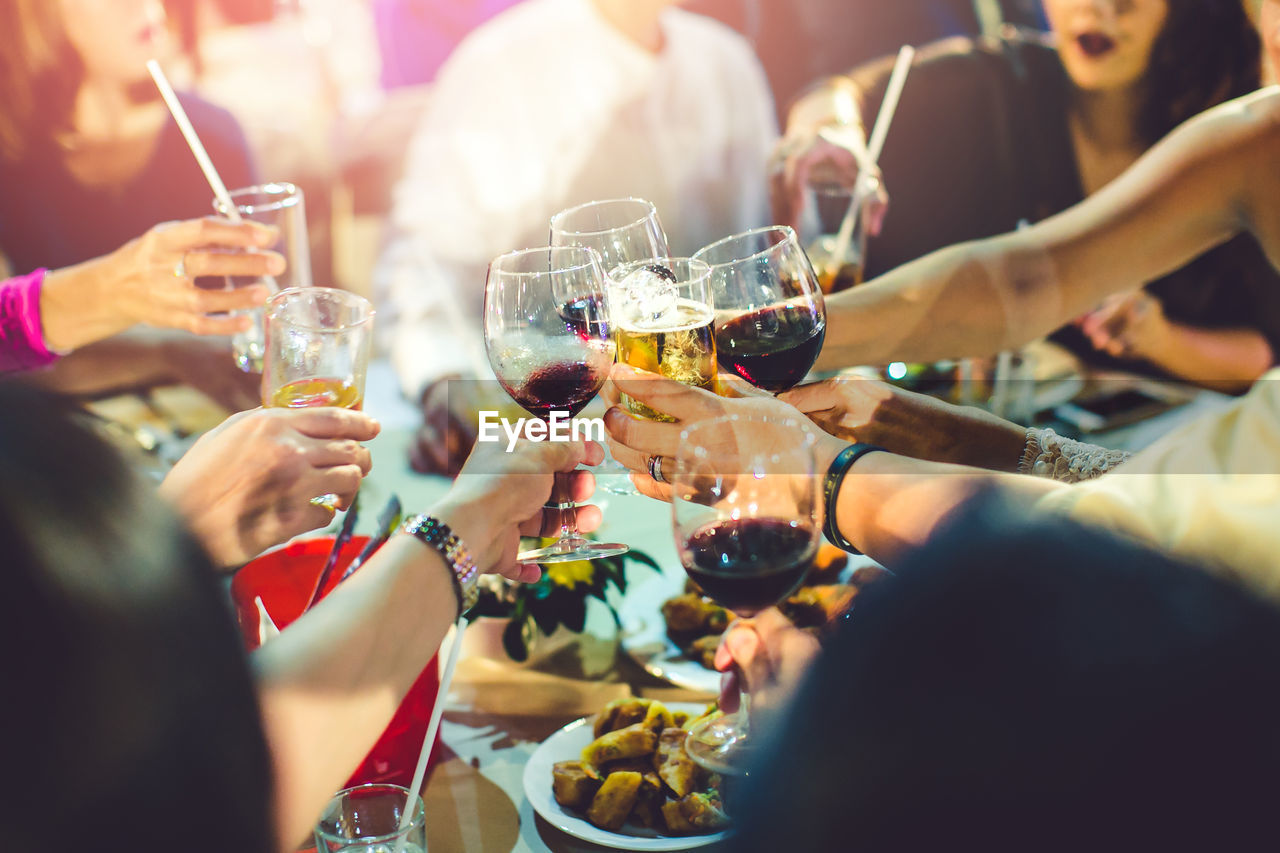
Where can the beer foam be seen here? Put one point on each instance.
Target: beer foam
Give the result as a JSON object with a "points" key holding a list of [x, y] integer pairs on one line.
{"points": [[686, 315]]}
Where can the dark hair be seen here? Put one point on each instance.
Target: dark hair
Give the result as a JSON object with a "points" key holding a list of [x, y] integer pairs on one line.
{"points": [[1208, 52], [1031, 686], [133, 722], [40, 74]]}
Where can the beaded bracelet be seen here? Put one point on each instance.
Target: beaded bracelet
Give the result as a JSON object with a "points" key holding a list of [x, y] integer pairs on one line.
{"points": [[463, 570], [831, 487]]}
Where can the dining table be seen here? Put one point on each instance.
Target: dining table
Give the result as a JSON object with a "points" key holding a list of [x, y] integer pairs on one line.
{"points": [[497, 712]]}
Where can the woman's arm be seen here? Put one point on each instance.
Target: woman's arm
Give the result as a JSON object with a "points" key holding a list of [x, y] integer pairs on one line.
{"points": [[1190, 192], [331, 682], [889, 504]]}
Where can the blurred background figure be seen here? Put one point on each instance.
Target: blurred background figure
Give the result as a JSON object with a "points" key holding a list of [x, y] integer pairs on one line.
{"points": [[994, 133], [417, 36], [551, 104], [303, 80], [805, 40], [1015, 677], [89, 156]]}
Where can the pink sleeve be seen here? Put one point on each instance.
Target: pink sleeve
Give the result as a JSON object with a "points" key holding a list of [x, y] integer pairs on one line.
{"points": [[22, 344]]}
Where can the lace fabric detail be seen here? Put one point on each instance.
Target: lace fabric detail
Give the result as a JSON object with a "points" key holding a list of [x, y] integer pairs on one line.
{"points": [[1066, 460]]}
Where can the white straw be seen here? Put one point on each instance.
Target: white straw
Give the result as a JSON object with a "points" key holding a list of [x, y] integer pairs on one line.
{"points": [[897, 80], [420, 772], [197, 148]]}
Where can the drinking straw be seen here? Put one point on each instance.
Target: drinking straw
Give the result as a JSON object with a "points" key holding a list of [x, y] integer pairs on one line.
{"points": [[197, 148], [897, 80], [193, 141], [420, 772]]}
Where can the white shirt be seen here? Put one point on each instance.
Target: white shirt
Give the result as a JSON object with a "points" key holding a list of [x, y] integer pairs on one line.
{"points": [[544, 107], [1209, 491]]}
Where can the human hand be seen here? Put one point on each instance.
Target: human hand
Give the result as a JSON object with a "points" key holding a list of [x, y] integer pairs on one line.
{"points": [[247, 484], [766, 656], [448, 431], [499, 497], [806, 159], [1129, 326], [633, 441], [909, 424], [208, 365], [150, 280]]}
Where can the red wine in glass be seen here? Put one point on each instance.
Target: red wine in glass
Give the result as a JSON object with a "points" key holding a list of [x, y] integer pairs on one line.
{"points": [[772, 348], [584, 317], [749, 564], [564, 387]]}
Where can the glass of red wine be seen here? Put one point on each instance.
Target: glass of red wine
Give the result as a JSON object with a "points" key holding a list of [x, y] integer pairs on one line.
{"points": [[770, 317], [746, 517], [547, 333]]}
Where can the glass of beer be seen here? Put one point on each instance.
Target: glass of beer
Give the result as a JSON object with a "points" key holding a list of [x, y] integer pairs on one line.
{"points": [[663, 316], [283, 206], [317, 348]]}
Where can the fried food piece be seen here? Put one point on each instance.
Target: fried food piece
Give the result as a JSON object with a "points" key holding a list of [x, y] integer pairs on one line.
{"points": [[712, 710], [673, 764], [647, 811], [675, 820], [828, 563], [643, 765], [619, 714], [703, 650], [612, 804], [658, 717], [630, 742], [693, 613], [704, 811], [574, 783], [679, 718], [814, 606]]}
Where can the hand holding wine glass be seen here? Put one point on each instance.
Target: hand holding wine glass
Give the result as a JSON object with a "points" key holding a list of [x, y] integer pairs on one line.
{"points": [[770, 316], [745, 507], [547, 334]]}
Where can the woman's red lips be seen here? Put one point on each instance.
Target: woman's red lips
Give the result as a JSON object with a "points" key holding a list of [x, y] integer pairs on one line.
{"points": [[1095, 44]]}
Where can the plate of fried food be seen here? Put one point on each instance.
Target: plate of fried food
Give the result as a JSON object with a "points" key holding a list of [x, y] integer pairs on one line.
{"points": [[671, 629], [622, 779]]}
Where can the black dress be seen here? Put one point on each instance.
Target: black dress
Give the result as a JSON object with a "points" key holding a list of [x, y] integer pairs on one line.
{"points": [[980, 144], [48, 219]]}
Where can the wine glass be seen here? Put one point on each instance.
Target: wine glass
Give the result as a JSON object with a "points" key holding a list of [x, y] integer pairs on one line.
{"points": [[663, 318], [770, 317], [547, 334], [746, 519], [622, 231]]}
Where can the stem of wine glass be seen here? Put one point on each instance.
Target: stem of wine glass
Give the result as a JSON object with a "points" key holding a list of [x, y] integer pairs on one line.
{"points": [[562, 494]]}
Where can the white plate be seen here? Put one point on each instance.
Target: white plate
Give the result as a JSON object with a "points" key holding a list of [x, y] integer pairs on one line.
{"points": [[644, 634], [567, 745]]}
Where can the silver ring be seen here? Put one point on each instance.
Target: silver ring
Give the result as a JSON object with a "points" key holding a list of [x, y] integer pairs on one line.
{"points": [[655, 469], [180, 268]]}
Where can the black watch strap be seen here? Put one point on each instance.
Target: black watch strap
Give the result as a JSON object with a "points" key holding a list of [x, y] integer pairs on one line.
{"points": [[831, 487]]}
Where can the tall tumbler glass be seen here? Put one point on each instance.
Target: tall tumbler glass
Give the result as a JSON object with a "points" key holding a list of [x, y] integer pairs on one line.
{"points": [[283, 206], [367, 818], [317, 348], [663, 316]]}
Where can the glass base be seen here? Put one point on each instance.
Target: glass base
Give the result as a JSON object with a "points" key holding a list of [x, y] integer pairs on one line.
{"points": [[722, 745], [570, 550]]}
